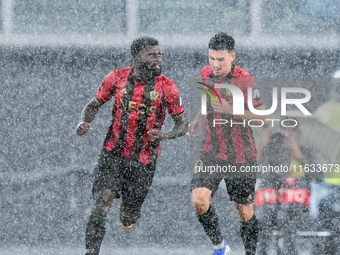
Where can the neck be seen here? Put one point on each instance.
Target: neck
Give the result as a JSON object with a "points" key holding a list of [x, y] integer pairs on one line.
{"points": [[142, 75]]}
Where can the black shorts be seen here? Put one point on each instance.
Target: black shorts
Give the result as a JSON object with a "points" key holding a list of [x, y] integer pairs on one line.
{"points": [[240, 190], [128, 178]]}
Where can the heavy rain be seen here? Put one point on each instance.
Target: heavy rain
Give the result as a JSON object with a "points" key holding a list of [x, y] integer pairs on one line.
{"points": [[54, 56]]}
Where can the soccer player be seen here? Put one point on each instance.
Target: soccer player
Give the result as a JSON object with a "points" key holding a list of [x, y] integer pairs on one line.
{"points": [[127, 162], [227, 145]]}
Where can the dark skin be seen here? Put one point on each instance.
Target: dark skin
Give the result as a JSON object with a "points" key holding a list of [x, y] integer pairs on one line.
{"points": [[147, 66]]}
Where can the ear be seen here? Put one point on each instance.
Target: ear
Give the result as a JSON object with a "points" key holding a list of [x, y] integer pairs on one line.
{"points": [[233, 55]]}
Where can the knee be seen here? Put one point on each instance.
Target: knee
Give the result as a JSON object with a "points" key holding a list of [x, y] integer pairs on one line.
{"points": [[107, 196], [104, 201], [246, 212], [246, 216], [200, 204]]}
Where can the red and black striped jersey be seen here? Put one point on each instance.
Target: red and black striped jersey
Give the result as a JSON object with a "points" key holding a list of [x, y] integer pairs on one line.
{"points": [[233, 143], [137, 108]]}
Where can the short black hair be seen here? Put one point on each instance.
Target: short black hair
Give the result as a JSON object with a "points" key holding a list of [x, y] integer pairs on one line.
{"points": [[222, 41], [141, 43]]}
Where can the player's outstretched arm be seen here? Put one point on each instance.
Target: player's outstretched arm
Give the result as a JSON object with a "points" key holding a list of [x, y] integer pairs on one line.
{"points": [[179, 129], [87, 116]]}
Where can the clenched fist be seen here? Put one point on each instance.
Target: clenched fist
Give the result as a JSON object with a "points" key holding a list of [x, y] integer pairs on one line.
{"points": [[83, 127]]}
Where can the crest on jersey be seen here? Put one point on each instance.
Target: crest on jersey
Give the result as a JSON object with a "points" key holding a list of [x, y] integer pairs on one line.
{"points": [[123, 91], [228, 92], [154, 95]]}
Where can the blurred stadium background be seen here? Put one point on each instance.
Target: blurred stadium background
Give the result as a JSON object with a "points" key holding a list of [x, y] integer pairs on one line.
{"points": [[54, 54]]}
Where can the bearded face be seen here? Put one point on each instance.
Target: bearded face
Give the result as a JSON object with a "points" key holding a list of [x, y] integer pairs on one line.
{"points": [[149, 62], [151, 70]]}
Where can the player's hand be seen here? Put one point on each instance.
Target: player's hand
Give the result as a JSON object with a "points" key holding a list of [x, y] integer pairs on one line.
{"points": [[225, 108], [156, 135], [193, 129], [83, 127]]}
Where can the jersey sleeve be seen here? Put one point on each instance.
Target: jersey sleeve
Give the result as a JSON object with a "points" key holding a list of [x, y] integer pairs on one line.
{"points": [[173, 100], [105, 91]]}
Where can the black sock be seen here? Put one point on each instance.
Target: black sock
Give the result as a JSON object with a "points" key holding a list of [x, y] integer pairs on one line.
{"points": [[95, 231], [210, 225], [249, 233]]}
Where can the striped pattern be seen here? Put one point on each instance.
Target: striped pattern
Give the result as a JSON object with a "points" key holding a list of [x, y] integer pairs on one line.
{"points": [[235, 143], [135, 112]]}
